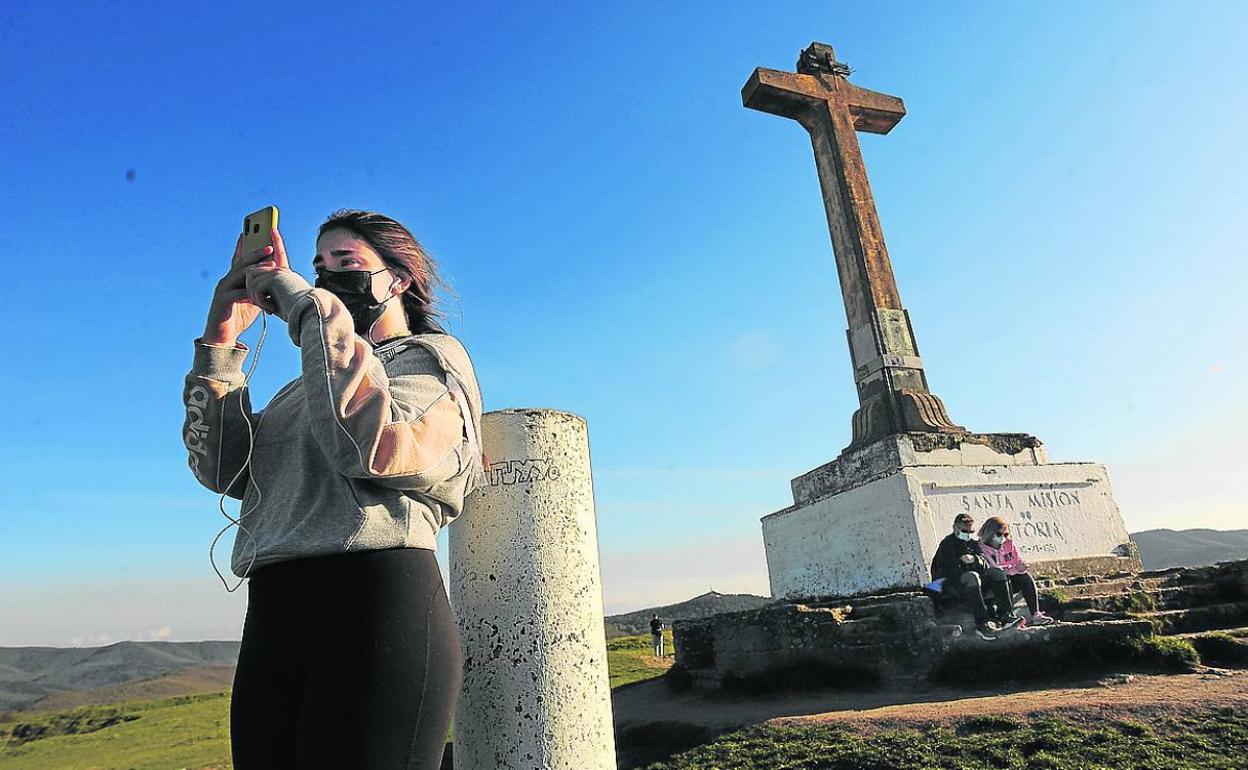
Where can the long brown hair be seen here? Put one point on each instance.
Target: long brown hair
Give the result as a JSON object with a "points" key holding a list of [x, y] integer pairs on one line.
{"points": [[993, 525], [400, 251]]}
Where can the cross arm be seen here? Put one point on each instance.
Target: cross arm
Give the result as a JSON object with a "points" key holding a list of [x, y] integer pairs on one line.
{"points": [[782, 93], [791, 95], [873, 111]]}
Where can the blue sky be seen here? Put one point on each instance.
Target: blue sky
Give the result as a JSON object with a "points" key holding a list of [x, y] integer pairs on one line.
{"points": [[1063, 204]]}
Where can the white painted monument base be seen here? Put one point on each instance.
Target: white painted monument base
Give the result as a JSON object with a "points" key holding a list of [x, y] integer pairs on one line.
{"points": [[872, 520], [527, 595]]}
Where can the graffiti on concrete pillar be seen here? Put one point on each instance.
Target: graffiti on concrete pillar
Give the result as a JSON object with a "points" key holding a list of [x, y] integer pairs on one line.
{"points": [[511, 472]]}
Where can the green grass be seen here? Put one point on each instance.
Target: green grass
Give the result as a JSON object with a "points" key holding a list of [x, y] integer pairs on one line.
{"points": [[79, 721], [184, 732], [1169, 653], [1133, 603], [1221, 648], [1054, 596], [631, 659], [1213, 740], [192, 731]]}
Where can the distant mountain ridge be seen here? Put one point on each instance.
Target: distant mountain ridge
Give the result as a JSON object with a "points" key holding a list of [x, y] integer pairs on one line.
{"points": [[709, 603], [1165, 548], [29, 674]]}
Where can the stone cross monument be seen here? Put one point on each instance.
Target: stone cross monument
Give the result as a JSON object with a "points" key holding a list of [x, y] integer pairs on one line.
{"points": [[872, 518], [893, 395]]}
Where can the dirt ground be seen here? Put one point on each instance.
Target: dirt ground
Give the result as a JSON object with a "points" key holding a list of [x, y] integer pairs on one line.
{"points": [[1143, 695], [1122, 697]]}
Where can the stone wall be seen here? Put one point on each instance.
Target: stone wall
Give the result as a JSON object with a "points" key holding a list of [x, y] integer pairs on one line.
{"points": [[899, 639]]}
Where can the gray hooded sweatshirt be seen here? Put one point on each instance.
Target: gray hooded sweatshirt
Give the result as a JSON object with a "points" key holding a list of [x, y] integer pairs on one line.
{"points": [[367, 449]]}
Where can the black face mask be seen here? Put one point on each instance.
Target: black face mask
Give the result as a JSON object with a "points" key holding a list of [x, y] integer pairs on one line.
{"points": [[355, 289]]}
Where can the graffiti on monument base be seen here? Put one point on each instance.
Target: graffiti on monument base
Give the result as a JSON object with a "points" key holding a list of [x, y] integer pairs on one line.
{"points": [[526, 471], [1036, 516], [1039, 536]]}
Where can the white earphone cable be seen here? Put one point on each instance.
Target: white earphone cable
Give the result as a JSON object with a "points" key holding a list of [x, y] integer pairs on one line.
{"points": [[264, 327]]}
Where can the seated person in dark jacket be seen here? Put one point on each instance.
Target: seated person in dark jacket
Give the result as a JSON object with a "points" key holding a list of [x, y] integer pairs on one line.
{"points": [[961, 566]]}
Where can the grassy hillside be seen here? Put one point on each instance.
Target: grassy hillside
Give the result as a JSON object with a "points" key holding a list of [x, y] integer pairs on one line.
{"points": [[190, 731], [184, 732], [199, 680]]}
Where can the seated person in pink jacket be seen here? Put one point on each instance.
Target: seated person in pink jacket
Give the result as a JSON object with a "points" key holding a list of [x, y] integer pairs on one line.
{"points": [[1001, 554]]}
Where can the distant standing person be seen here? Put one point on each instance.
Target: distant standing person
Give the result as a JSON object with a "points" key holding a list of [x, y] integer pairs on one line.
{"points": [[656, 635]]}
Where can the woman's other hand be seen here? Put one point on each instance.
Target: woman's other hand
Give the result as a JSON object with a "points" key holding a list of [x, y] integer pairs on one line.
{"points": [[967, 558]]}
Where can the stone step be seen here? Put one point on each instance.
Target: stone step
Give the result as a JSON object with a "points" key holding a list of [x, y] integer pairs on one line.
{"points": [[1071, 591], [1064, 632], [1227, 647], [1188, 596], [1040, 652], [1230, 575], [1231, 572], [1235, 633], [1214, 617], [1087, 616], [1148, 600]]}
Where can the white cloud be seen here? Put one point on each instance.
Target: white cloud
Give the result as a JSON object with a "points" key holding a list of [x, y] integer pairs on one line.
{"points": [[161, 634]]}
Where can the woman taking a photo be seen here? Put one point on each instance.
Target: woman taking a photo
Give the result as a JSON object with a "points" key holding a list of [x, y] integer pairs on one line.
{"points": [[998, 548], [350, 656]]}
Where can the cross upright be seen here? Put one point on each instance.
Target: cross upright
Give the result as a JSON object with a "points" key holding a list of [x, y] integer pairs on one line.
{"points": [[893, 396]]}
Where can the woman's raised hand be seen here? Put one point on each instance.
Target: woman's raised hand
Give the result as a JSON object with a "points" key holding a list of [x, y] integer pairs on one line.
{"points": [[258, 277], [233, 310]]}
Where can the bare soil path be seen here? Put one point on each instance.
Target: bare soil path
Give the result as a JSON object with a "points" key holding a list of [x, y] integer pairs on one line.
{"points": [[648, 703], [1144, 695]]}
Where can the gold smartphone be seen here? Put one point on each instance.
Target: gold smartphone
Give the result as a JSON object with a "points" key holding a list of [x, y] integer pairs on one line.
{"points": [[258, 233], [258, 228]]}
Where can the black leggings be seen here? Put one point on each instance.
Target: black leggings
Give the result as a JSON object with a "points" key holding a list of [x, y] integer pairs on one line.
{"points": [[1022, 583], [1026, 584], [350, 660], [971, 587]]}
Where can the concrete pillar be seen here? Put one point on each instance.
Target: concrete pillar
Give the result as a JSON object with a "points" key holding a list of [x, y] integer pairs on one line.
{"points": [[527, 595]]}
